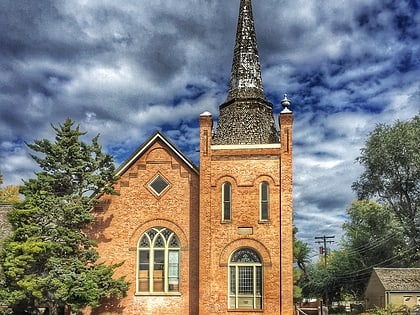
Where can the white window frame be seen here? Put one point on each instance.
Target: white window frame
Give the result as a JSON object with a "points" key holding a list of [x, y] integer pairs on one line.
{"points": [[237, 299], [170, 273]]}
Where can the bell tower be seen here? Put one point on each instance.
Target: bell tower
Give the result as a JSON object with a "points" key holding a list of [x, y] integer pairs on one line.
{"points": [[245, 241]]}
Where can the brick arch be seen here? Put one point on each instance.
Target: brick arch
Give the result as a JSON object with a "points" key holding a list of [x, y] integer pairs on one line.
{"points": [[142, 228], [267, 178], [158, 154], [241, 243], [225, 178]]}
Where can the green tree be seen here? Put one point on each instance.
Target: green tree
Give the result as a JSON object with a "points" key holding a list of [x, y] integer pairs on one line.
{"points": [[319, 283], [8, 194], [301, 258], [48, 260], [391, 161], [373, 237], [301, 253]]}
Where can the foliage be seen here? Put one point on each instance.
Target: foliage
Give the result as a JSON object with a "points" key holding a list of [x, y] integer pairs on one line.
{"points": [[319, 284], [48, 260], [301, 253], [391, 308], [297, 290], [391, 161], [383, 232], [373, 237], [8, 194], [301, 259]]}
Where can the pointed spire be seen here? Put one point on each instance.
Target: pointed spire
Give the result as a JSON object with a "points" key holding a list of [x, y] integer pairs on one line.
{"points": [[245, 80], [246, 117]]}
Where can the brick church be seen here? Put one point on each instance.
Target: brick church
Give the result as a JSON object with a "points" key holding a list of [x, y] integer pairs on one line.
{"points": [[215, 239]]}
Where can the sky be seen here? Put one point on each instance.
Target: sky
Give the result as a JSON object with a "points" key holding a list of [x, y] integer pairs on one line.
{"points": [[124, 69]]}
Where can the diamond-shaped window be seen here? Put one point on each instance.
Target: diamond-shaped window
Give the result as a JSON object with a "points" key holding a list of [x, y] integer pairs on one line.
{"points": [[159, 185]]}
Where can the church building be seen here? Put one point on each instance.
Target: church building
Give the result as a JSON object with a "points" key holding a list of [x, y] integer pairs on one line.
{"points": [[213, 239]]}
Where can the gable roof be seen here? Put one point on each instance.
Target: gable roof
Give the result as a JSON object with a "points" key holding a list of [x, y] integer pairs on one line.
{"points": [[146, 145], [399, 279]]}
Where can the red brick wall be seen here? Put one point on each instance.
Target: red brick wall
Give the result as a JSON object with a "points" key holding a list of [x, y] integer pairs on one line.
{"points": [[286, 201], [245, 169], [192, 209], [124, 218]]}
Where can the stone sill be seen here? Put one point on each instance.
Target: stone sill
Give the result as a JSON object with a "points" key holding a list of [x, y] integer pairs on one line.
{"points": [[154, 294]]}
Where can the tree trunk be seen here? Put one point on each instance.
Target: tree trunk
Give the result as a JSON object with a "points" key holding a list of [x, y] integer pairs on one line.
{"points": [[53, 309]]}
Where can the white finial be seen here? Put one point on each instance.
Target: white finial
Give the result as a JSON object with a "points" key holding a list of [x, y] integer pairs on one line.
{"points": [[285, 102]]}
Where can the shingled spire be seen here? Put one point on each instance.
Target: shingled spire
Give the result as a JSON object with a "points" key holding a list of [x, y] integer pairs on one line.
{"points": [[245, 79], [246, 117]]}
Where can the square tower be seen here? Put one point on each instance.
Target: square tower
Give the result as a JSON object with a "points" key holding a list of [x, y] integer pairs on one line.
{"points": [[246, 239]]}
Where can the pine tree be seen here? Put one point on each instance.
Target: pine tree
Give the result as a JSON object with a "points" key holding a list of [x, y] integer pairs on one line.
{"points": [[48, 261]]}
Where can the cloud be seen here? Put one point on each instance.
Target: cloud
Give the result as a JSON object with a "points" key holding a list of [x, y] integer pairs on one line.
{"points": [[125, 70]]}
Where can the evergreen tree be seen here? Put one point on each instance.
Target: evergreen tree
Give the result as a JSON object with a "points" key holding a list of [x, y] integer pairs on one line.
{"points": [[48, 261]]}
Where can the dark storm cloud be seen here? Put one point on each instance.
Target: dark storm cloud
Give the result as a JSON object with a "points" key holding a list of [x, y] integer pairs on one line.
{"points": [[125, 69], [39, 28]]}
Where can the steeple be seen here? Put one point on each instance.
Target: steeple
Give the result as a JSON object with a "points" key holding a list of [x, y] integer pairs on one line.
{"points": [[245, 79], [246, 117]]}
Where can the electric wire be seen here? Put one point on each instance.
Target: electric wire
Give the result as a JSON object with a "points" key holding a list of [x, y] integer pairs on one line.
{"points": [[367, 270]]}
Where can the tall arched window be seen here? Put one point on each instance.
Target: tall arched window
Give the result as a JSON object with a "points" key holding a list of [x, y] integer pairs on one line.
{"points": [[264, 202], [226, 202], [158, 259], [245, 280]]}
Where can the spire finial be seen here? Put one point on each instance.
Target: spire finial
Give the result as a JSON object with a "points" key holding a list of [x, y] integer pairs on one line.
{"points": [[285, 102], [245, 80]]}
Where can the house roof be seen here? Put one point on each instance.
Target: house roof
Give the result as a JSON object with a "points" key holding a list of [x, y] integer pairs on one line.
{"points": [[399, 279], [156, 136]]}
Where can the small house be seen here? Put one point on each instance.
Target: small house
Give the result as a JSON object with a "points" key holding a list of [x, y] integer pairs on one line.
{"points": [[393, 286]]}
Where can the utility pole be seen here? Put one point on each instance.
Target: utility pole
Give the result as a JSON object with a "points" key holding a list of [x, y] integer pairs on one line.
{"points": [[324, 239]]}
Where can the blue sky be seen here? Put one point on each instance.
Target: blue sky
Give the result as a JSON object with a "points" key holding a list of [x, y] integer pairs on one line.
{"points": [[126, 69]]}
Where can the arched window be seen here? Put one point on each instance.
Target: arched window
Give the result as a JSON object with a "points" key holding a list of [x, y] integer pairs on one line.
{"points": [[245, 280], [226, 202], [264, 202], [158, 261]]}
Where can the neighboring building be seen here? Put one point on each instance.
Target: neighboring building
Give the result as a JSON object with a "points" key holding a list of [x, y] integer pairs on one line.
{"points": [[214, 240], [396, 286], [5, 227]]}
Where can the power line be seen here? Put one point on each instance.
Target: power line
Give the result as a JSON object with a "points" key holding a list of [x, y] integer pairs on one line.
{"points": [[324, 248], [369, 246], [367, 270]]}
